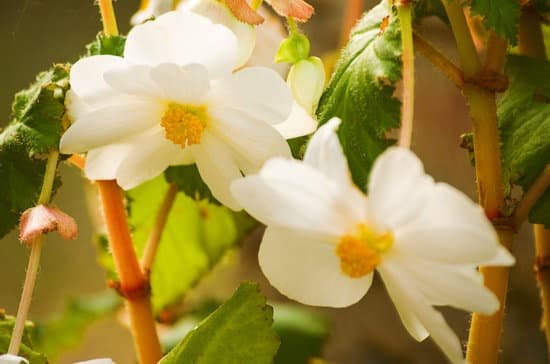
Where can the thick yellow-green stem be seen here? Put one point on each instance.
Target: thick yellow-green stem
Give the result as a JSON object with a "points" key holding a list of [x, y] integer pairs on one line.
{"points": [[404, 12], [485, 331], [134, 284], [531, 43], [34, 259]]}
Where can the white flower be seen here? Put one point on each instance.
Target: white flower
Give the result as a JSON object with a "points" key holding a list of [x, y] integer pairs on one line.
{"points": [[324, 238], [219, 13], [12, 359], [151, 9], [172, 99], [97, 361]]}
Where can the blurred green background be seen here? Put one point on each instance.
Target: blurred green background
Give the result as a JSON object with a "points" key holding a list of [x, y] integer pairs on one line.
{"points": [[36, 33]]}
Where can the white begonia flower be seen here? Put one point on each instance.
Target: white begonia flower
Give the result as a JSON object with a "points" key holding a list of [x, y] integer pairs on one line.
{"points": [[12, 359], [173, 99], [325, 238], [219, 13], [261, 53], [151, 9]]}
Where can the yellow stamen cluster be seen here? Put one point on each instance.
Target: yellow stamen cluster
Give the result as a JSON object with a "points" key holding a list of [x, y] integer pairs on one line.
{"points": [[361, 252], [184, 124]]}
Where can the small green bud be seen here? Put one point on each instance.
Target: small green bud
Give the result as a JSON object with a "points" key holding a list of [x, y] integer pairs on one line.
{"points": [[306, 79], [293, 49]]}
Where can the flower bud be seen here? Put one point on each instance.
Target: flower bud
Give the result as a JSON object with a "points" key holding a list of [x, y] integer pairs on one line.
{"points": [[12, 359], [293, 49], [306, 79]]}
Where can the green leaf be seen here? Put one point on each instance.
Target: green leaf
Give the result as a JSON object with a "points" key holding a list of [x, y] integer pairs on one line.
{"points": [[66, 330], [502, 16], [196, 236], [189, 181], [524, 117], [362, 87], [26, 349], [239, 331], [35, 130], [302, 331], [106, 44]]}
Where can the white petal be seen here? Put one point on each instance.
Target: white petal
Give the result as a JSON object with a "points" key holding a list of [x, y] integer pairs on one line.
{"points": [[172, 38], [293, 195], [445, 284], [308, 271], [149, 159], [450, 228], [76, 106], [133, 80], [110, 125], [298, 123], [185, 84], [102, 163], [218, 168], [86, 77], [398, 187], [12, 359], [432, 320], [325, 153], [219, 13], [253, 139], [501, 258], [257, 91], [97, 361]]}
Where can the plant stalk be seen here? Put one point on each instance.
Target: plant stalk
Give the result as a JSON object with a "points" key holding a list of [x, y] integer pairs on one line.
{"points": [[34, 260], [485, 331], [134, 285], [404, 12], [108, 17], [153, 240]]}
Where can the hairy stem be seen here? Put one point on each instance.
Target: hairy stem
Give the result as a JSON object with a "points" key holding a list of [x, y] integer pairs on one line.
{"points": [[485, 331], [448, 68], [542, 269], [407, 112], [531, 197], [153, 241], [108, 17], [34, 259], [531, 43], [134, 285]]}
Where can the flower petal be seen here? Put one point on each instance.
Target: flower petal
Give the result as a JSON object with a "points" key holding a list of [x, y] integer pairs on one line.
{"points": [[325, 153], [298, 9], [217, 167], [172, 38], [433, 321], [398, 187], [445, 284], [252, 139], [185, 84], [219, 13], [307, 270], [450, 228], [12, 359], [298, 123], [109, 125], [86, 77], [147, 160], [256, 91], [133, 80], [293, 195], [102, 163], [153, 9]]}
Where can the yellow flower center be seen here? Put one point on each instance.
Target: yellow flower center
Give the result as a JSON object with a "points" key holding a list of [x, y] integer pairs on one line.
{"points": [[184, 124], [361, 252]]}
